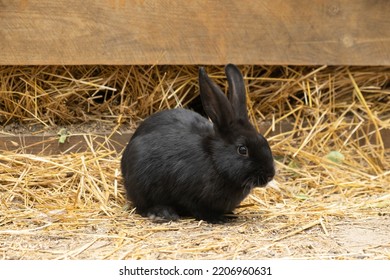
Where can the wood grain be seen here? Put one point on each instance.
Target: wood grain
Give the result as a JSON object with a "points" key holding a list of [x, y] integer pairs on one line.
{"points": [[298, 32]]}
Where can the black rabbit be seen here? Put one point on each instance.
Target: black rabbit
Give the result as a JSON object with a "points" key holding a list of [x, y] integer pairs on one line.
{"points": [[178, 163]]}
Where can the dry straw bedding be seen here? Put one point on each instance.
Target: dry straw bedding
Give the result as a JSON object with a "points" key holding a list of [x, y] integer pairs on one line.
{"points": [[72, 206]]}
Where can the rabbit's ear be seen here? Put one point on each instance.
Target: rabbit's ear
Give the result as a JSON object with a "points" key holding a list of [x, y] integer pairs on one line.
{"points": [[236, 92], [214, 102]]}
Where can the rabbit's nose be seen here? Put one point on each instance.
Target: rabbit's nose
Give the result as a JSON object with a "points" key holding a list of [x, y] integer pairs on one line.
{"points": [[270, 178]]}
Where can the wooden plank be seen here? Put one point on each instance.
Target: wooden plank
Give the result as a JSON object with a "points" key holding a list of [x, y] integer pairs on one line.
{"points": [[48, 144], [298, 32]]}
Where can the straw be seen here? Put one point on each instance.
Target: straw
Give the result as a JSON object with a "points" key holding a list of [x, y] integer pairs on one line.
{"points": [[73, 205]]}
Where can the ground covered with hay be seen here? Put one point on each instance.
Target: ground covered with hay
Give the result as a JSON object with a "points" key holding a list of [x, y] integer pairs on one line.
{"points": [[327, 127]]}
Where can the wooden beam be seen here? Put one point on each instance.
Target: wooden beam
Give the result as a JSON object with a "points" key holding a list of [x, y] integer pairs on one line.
{"points": [[48, 144], [278, 32]]}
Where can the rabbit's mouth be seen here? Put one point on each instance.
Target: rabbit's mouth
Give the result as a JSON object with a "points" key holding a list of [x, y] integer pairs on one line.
{"points": [[253, 182]]}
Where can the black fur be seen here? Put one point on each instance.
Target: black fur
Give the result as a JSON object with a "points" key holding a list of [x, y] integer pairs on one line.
{"points": [[178, 163]]}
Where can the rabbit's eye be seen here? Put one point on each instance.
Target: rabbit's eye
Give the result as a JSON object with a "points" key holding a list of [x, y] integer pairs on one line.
{"points": [[242, 150]]}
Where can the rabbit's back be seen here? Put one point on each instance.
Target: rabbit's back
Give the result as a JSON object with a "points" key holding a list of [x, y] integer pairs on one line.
{"points": [[163, 158], [175, 121]]}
